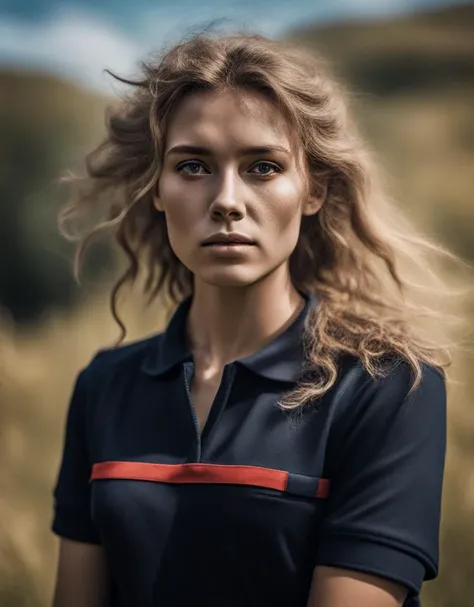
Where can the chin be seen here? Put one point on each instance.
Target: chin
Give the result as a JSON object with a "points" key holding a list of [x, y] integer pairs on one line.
{"points": [[230, 277]]}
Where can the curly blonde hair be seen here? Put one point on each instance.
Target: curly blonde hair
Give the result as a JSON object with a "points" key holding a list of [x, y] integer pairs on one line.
{"points": [[356, 254]]}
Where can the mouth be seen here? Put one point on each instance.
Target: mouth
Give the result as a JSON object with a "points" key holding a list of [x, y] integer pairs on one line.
{"points": [[228, 240]]}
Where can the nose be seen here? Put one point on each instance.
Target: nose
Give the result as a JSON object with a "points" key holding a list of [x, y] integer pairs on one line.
{"points": [[228, 202]]}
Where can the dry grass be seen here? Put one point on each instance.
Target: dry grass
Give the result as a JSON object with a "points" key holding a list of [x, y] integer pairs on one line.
{"points": [[37, 372]]}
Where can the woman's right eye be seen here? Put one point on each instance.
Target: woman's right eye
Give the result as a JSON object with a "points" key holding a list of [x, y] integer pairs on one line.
{"points": [[191, 168]]}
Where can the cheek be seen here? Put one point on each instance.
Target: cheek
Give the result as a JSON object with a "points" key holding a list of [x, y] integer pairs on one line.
{"points": [[180, 216], [281, 210], [179, 205]]}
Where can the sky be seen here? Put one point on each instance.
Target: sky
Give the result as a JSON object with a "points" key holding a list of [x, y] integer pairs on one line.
{"points": [[79, 39]]}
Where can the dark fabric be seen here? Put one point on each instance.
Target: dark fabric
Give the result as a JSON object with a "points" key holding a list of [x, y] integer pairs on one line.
{"points": [[300, 484], [205, 544], [72, 494]]}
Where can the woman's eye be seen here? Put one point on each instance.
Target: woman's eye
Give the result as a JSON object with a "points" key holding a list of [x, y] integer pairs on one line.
{"points": [[191, 168], [266, 168]]}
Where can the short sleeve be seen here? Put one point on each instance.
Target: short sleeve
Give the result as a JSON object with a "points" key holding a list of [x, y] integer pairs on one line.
{"points": [[383, 511], [72, 493]]}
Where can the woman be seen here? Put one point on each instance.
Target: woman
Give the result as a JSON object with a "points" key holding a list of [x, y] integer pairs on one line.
{"points": [[282, 442]]}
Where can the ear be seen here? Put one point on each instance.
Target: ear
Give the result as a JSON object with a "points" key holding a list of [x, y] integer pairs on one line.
{"points": [[316, 198], [157, 202]]}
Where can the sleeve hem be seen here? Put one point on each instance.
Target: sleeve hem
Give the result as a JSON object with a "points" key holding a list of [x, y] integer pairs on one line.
{"points": [[366, 556], [70, 525], [75, 534]]}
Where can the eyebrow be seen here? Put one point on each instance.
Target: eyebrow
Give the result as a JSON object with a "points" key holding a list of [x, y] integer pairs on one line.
{"points": [[248, 151]]}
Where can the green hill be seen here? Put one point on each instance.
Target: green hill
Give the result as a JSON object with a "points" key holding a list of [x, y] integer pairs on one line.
{"points": [[46, 126], [408, 54], [413, 84]]}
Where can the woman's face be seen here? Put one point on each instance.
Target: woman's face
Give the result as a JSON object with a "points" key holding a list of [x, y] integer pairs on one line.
{"points": [[231, 187]]}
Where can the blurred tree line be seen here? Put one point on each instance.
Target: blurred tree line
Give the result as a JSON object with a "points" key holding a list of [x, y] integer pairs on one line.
{"points": [[46, 127]]}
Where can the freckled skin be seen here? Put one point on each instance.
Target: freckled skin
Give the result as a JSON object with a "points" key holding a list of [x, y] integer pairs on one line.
{"points": [[260, 195]]}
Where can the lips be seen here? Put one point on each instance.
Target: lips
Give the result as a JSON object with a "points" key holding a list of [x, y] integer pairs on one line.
{"points": [[227, 239]]}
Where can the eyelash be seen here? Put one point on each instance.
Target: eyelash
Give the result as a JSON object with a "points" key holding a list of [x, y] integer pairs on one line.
{"points": [[275, 167]]}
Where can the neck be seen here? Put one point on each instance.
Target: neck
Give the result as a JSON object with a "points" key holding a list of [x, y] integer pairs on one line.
{"points": [[229, 323]]}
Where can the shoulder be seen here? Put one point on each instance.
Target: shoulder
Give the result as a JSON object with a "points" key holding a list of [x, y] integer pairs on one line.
{"points": [[121, 359], [363, 406], [396, 383], [377, 422]]}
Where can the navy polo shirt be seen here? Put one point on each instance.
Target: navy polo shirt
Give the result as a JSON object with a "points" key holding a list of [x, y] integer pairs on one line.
{"points": [[241, 515]]}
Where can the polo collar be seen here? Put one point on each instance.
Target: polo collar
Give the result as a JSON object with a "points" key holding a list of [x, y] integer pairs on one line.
{"points": [[282, 359]]}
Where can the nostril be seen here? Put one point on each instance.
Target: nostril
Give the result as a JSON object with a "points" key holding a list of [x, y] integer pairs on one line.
{"points": [[229, 214]]}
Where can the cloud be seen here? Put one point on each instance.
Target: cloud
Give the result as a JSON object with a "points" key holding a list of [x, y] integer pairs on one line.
{"points": [[80, 44], [71, 43]]}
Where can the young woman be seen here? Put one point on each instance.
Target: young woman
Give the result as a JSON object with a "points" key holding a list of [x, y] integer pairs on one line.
{"points": [[282, 442]]}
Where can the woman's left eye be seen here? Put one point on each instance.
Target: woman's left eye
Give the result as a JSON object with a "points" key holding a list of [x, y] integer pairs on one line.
{"points": [[266, 168]]}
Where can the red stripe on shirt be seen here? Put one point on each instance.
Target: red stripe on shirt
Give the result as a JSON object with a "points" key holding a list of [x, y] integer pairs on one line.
{"points": [[199, 473]]}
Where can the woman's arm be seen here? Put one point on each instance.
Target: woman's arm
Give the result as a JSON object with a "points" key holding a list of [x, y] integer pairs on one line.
{"points": [[82, 578], [382, 516], [333, 586]]}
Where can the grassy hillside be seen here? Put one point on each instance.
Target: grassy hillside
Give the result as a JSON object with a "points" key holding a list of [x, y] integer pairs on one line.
{"points": [[406, 54], [413, 90], [414, 87]]}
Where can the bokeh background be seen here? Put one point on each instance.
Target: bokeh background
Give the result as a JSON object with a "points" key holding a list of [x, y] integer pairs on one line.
{"points": [[411, 67]]}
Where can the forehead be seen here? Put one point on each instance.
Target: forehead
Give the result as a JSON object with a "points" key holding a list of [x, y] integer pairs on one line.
{"points": [[240, 118]]}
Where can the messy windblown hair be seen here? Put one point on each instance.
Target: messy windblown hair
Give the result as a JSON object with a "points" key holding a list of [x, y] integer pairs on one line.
{"points": [[378, 290]]}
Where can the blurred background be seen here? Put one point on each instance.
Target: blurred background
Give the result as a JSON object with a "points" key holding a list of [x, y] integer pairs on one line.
{"points": [[411, 66]]}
